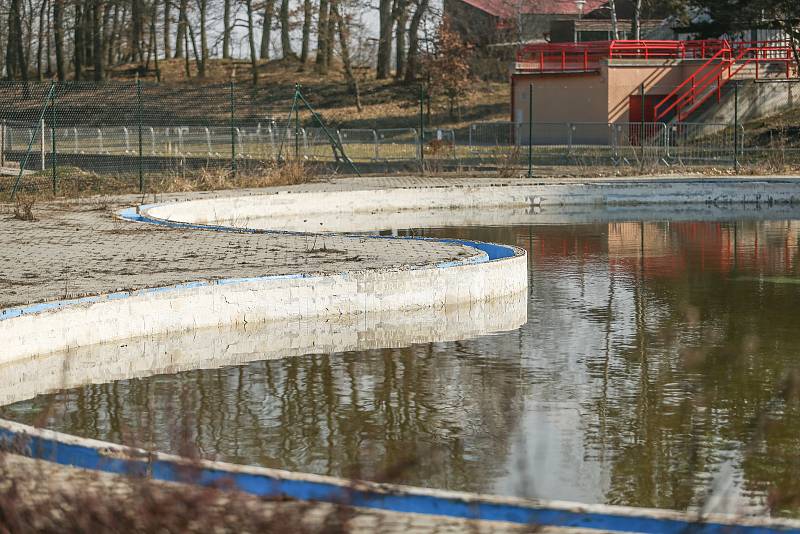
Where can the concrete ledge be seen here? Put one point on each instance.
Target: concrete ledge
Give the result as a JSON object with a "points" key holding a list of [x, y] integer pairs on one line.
{"points": [[274, 483], [237, 211]]}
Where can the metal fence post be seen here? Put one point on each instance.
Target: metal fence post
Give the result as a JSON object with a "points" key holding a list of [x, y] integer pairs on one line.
{"points": [[54, 153], [42, 144], [139, 120], [736, 127], [421, 127], [3, 144], [233, 132], [530, 130], [296, 127]]}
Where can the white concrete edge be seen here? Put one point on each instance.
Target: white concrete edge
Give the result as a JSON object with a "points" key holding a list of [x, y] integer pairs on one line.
{"points": [[623, 515], [237, 210]]}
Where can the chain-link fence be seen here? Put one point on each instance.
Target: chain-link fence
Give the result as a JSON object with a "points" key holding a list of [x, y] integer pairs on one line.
{"points": [[56, 134]]}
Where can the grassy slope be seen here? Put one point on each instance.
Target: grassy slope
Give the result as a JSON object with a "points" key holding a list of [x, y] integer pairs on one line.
{"points": [[386, 103]]}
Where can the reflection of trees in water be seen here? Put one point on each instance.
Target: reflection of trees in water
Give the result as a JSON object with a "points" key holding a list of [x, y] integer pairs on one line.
{"points": [[449, 408], [674, 351], [711, 354]]}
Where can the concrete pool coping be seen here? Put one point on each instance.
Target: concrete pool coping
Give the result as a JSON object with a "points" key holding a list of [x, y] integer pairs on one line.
{"points": [[90, 454]]}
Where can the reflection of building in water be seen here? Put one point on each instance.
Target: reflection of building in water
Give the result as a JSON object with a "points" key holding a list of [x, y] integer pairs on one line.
{"points": [[671, 249]]}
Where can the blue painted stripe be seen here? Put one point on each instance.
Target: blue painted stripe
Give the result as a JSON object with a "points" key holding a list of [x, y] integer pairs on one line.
{"points": [[369, 495]]}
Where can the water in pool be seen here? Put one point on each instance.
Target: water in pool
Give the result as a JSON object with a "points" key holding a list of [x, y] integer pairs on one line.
{"points": [[658, 367]]}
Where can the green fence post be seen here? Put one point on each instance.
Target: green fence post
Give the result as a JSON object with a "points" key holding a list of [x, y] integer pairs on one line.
{"points": [[233, 127], [54, 154], [296, 125], [736, 127], [421, 127], [530, 131], [24, 161], [139, 117]]}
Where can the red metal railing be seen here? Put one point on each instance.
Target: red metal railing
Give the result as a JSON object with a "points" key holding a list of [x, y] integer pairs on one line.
{"points": [[583, 57], [728, 62]]}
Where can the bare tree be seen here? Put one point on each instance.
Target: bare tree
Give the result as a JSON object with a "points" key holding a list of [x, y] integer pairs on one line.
{"points": [[167, 28], [266, 28], [58, 33], [344, 46], [412, 65], [42, 38], [636, 26], [202, 7], [612, 7], [401, 20], [226, 30], [286, 42], [97, 40], [251, 38], [306, 39], [78, 40], [322, 37], [386, 24], [16, 66], [183, 22]]}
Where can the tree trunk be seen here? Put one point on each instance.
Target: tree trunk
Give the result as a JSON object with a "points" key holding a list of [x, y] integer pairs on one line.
{"points": [[49, 51], [97, 40], [412, 65], [286, 43], [307, 13], [181, 37], [226, 30], [197, 54], [111, 39], [401, 16], [266, 28], [344, 45], [58, 33], [330, 38], [78, 45], [384, 38], [251, 37], [613, 10], [322, 37], [167, 29], [42, 35], [136, 30], [15, 55], [201, 67], [636, 25]]}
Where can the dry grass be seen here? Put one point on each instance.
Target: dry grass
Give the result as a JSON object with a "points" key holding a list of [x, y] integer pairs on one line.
{"points": [[23, 207], [386, 103], [211, 179], [76, 183], [85, 502]]}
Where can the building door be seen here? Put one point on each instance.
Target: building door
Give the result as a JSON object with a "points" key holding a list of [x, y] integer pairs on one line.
{"points": [[635, 117]]}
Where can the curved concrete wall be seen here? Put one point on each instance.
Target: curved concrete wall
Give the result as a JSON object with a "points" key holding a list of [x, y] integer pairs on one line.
{"points": [[493, 271], [237, 211]]}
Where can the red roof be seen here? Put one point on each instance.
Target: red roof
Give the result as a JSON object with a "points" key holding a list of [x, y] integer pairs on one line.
{"points": [[510, 8]]}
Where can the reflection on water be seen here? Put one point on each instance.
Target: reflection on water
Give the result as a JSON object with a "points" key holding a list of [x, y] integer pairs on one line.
{"points": [[658, 367]]}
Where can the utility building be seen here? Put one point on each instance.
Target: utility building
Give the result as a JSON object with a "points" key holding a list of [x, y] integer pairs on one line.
{"points": [[601, 82]]}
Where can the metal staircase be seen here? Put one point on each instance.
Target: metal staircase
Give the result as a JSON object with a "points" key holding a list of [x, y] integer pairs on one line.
{"points": [[738, 60]]}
